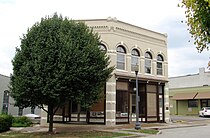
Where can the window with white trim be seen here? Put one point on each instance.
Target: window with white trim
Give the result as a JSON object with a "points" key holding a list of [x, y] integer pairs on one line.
{"points": [[121, 57], [5, 102], [102, 47], [159, 65], [134, 59], [148, 63]]}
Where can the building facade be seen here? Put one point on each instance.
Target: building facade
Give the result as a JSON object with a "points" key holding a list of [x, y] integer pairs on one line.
{"points": [[7, 102], [189, 93], [128, 47]]}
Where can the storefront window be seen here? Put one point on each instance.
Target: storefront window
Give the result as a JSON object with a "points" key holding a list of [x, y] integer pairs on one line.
{"points": [[122, 104], [205, 103], [160, 92], [192, 103], [97, 109]]}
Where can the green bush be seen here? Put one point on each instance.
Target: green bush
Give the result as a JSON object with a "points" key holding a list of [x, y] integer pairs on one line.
{"points": [[21, 122], [5, 122]]}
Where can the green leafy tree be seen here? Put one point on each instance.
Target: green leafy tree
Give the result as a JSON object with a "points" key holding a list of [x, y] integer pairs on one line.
{"points": [[58, 60], [198, 19]]}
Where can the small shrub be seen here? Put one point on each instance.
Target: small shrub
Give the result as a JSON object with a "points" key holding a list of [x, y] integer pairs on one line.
{"points": [[21, 122], [5, 122]]}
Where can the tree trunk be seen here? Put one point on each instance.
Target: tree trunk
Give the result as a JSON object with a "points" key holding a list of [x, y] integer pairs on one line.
{"points": [[50, 112]]}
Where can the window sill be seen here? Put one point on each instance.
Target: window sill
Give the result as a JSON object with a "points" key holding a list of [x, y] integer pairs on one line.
{"points": [[120, 70], [148, 74], [161, 76]]}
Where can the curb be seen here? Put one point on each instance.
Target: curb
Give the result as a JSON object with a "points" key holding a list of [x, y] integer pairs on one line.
{"points": [[133, 134], [160, 132], [182, 126]]}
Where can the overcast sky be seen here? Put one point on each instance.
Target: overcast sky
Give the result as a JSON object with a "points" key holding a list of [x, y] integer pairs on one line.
{"points": [[163, 16]]}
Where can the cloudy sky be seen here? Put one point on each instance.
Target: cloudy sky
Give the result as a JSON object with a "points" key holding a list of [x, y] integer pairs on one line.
{"points": [[163, 16]]}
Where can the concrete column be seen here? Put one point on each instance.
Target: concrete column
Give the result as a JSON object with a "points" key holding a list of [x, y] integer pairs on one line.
{"points": [[154, 67], [128, 63], [142, 65], [111, 101], [165, 68]]}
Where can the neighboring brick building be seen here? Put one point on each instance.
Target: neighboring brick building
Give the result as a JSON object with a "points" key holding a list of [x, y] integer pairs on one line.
{"points": [[128, 46], [189, 93]]}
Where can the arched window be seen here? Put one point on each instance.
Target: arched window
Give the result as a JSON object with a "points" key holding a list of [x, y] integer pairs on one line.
{"points": [[102, 47], [159, 65], [5, 102], [148, 63], [121, 57], [134, 59]]}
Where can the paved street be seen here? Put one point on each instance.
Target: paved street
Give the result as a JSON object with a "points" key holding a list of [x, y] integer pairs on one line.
{"points": [[175, 118], [186, 132], [197, 127]]}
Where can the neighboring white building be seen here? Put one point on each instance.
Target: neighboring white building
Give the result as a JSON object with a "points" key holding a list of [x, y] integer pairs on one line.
{"points": [[193, 80], [7, 102], [127, 46]]}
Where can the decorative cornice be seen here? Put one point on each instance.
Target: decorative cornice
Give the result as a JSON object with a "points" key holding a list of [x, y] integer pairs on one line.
{"points": [[98, 27], [139, 35], [110, 19], [112, 25], [129, 33]]}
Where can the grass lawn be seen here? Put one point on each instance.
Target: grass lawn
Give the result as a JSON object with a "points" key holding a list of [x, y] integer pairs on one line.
{"points": [[84, 134], [146, 131]]}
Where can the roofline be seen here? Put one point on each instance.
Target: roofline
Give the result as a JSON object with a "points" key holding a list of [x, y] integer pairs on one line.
{"points": [[200, 71], [163, 34], [188, 87], [4, 75], [184, 75]]}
